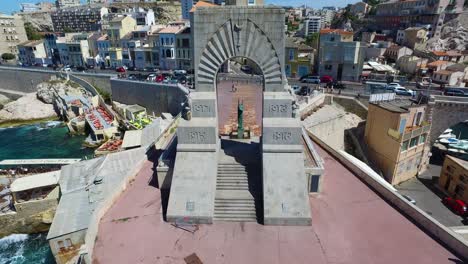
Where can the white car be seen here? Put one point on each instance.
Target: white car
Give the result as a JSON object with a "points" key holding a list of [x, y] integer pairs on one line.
{"points": [[393, 86], [295, 88], [180, 72], [404, 91]]}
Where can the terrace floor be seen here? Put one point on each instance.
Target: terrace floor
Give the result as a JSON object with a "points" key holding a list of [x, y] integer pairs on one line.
{"points": [[350, 224]]}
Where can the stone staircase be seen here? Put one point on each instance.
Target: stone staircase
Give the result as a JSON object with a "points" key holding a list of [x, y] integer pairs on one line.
{"points": [[233, 200]]}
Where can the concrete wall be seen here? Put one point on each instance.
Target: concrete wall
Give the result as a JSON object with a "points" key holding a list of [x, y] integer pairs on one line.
{"points": [[26, 79], [430, 225], [156, 97], [446, 111]]}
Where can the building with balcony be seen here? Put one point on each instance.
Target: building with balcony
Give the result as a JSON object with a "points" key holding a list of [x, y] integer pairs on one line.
{"points": [[449, 78], [32, 52], [395, 136], [400, 14], [340, 56], [184, 54], [299, 59], [168, 46], [454, 177], [12, 33], [312, 24], [78, 19], [74, 49], [118, 28]]}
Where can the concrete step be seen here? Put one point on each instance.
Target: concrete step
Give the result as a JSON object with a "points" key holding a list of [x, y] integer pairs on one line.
{"points": [[232, 170], [223, 172], [234, 195], [235, 202], [232, 181]]}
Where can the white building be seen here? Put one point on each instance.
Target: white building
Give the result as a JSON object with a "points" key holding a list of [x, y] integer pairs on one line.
{"points": [[312, 24], [67, 3], [74, 49], [32, 52]]}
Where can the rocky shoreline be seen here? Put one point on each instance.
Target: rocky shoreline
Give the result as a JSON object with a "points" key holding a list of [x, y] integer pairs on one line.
{"points": [[35, 107]]}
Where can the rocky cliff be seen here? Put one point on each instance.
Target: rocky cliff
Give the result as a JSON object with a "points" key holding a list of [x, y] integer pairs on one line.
{"points": [[454, 35]]}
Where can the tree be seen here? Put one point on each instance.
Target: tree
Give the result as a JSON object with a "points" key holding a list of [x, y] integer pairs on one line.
{"points": [[8, 56], [31, 32], [312, 40]]}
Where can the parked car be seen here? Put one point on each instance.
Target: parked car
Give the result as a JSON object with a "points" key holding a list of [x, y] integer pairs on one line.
{"points": [[80, 68], [326, 79], [455, 205], [66, 68], [338, 85], [180, 72], [456, 92], [90, 66], [404, 91], [303, 91], [132, 68], [120, 69], [393, 86], [295, 88], [149, 69], [246, 68], [311, 79]]}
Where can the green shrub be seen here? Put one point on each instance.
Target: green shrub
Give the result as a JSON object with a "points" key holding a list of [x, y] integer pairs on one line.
{"points": [[8, 56]]}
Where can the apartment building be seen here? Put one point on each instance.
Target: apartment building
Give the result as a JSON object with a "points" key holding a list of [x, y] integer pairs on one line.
{"points": [[299, 58], [312, 24], [188, 4], [167, 46], [395, 137], [454, 177], [67, 3], [184, 49], [78, 19], [74, 49], [12, 33], [340, 56], [32, 52], [402, 14]]}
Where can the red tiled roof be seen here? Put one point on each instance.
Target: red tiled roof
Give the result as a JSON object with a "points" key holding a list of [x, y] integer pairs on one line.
{"points": [[201, 4], [439, 53], [437, 63], [338, 31]]}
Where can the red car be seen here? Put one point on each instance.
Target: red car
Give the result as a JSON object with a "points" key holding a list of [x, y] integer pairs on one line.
{"points": [[326, 79], [120, 69], [456, 205], [159, 78]]}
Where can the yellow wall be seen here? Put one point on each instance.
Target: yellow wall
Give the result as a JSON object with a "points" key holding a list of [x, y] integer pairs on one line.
{"points": [[455, 173]]}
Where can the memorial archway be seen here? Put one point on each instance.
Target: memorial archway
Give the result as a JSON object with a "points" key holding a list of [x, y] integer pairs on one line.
{"points": [[239, 84]]}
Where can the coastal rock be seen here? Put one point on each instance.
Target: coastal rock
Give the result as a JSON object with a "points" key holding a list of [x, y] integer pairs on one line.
{"points": [[3, 100], [27, 107], [44, 93]]}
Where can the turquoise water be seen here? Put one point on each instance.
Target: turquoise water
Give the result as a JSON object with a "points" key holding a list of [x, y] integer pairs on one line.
{"points": [[43, 140], [25, 249]]}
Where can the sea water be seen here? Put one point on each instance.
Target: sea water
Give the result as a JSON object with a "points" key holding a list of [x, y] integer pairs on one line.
{"points": [[42, 140]]}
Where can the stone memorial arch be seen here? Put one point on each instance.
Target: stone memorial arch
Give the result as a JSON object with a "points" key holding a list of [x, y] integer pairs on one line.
{"points": [[219, 34]]}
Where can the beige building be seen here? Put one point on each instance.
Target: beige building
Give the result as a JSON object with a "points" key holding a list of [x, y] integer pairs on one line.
{"points": [[454, 177], [118, 28], [395, 137], [411, 64], [12, 33], [393, 53], [450, 78]]}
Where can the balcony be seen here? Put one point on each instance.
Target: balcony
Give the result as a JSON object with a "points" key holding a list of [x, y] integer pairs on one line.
{"points": [[415, 131]]}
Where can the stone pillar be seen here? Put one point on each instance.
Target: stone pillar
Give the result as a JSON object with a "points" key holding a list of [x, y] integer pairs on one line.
{"points": [[193, 185], [285, 194]]}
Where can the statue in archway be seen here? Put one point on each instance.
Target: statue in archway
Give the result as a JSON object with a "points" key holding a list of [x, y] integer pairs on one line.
{"points": [[240, 119]]}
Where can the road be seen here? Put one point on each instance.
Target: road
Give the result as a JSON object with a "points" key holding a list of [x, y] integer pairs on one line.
{"points": [[428, 197]]}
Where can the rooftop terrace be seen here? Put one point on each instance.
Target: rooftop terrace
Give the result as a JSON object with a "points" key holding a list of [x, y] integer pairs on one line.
{"points": [[350, 224]]}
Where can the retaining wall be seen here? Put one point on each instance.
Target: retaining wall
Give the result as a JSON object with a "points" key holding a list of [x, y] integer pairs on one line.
{"points": [[157, 98], [26, 79], [451, 239], [444, 112]]}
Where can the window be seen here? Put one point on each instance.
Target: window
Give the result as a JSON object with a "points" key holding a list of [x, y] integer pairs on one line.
{"points": [[168, 53], [422, 138], [68, 243], [409, 165], [464, 179], [417, 120], [291, 54], [60, 245], [328, 67], [402, 125], [450, 169], [404, 146], [251, 2], [459, 190], [414, 141]]}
